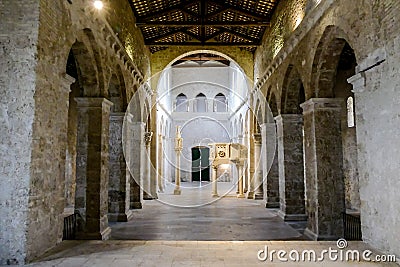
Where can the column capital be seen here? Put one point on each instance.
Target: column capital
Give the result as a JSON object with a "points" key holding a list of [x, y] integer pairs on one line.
{"points": [[358, 81], [289, 118], [67, 80], [117, 116], [257, 138], [93, 102], [322, 104], [147, 137]]}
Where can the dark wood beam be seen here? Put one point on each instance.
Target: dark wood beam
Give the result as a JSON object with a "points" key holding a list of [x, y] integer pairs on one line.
{"points": [[185, 31], [241, 11], [215, 34], [163, 44], [182, 6], [165, 35], [217, 12], [141, 23], [241, 35], [203, 9]]}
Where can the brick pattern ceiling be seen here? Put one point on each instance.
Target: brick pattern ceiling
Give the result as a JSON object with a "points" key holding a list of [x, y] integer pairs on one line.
{"points": [[166, 23]]}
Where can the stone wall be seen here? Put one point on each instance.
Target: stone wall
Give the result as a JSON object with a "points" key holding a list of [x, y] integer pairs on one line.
{"points": [[371, 28], [161, 59], [35, 110], [18, 39]]}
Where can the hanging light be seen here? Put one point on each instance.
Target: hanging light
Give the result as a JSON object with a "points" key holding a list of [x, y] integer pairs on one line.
{"points": [[98, 4]]}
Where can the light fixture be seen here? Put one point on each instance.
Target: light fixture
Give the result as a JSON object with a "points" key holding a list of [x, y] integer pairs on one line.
{"points": [[98, 4]]}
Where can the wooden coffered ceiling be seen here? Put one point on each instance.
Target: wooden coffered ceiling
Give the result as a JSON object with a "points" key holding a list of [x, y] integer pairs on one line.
{"points": [[167, 23]]}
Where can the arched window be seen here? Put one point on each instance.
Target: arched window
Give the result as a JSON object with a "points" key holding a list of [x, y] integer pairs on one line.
{"points": [[350, 112], [201, 103], [181, 103], [220, 103]]}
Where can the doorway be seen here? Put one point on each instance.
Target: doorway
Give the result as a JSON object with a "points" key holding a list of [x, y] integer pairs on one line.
{"points": [[200, 163]]}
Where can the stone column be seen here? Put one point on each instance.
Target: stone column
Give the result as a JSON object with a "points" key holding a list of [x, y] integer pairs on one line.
{"points": [[178, 149], [246, 171], [117, 185], [135, 157], [147, 170], [291, 167], [214, 181], [270, 165], [239, 166], [92, 166], [258, 172], [160, 165], [323, 168], [70, 146]]}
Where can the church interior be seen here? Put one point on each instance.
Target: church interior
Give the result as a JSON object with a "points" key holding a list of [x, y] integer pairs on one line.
{"points": [[193, 133]]}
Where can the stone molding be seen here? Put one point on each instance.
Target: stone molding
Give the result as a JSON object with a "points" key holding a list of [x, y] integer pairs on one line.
{"points": [[322, 103], [93, 102]]}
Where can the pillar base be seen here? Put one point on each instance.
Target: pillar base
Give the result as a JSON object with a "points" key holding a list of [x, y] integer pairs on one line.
{"points": [[315, 237], [177, 191], [250, 195], [258, 196], [136, 205], [105, 235], [215, 195], [292, 217], [272, 205], [148, 197], [240, 196], [117, 217]]}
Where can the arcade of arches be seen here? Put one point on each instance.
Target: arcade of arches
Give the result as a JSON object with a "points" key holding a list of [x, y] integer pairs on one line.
{"points": [[90, 108]]}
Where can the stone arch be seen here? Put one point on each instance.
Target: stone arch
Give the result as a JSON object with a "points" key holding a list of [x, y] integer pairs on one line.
{"points": [[326, 60], [292, 92], [272, 102], [86, 71], [204, 51], [117, 93], [98, 61]]}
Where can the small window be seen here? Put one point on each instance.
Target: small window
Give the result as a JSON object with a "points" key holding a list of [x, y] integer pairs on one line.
{"points": [[201, 103], [220, 103], [350, 112], [181, 103]]}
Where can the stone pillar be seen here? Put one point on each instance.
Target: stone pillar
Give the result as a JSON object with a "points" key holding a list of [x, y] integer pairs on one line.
{"points": [[160, 165], [117, 185], [214, 181], [178, 149], [246, 171], [258, 171], [134, 153], [240, 180], [92, 166], [70, 148], [270, 165], [323, 168], [147, 170], [291, 167]]}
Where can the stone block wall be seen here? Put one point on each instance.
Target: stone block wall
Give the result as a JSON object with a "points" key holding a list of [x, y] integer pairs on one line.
{"points": [[18, 39], [36, 38], [371, 28]]}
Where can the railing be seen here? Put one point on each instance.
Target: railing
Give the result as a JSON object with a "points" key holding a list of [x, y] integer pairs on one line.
{"points": [[70, 227], [352, 227]]}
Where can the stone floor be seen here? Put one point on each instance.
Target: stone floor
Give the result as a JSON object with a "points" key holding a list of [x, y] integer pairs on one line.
{"points": [[210, 232], [191, 253], [194, 215]]}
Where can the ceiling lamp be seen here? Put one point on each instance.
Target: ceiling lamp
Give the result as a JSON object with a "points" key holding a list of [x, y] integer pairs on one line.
{"points": [[98, 4]]}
